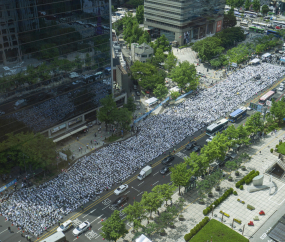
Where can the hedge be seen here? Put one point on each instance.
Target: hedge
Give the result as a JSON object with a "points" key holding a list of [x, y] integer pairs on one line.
{"points": [[247, 179], [237, 220], [250, 207], [235, 193], [218, 201], [196, 229]]}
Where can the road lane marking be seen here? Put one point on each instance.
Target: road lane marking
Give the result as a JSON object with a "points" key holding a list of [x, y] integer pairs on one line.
{"points": [[97, 218], [100, 228], [169, 173], [136, 189], [101, 221], [139, 194], [155, 183], [127, 192], [89, 213], [155, 173], [3, 231], [141, 183], [105, 207]]}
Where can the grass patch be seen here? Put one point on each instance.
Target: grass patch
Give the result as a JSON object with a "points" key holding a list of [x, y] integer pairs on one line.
{"points": [[219, 232], [113, 138], [281, 149]]}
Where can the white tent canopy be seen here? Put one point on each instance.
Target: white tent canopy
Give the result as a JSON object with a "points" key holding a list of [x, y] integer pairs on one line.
{"points": [[143, 238], [266, 55], [255, 61], [151, 101]]}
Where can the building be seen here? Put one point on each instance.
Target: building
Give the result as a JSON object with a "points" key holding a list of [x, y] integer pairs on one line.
{"points": [[141, 52], [55, 65], [183, 20]]}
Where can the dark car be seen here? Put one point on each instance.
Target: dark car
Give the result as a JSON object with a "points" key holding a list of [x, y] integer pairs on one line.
{"points": [[190, 145], [138, 93], [196, 148], [167, 159], [118, 202], [165, 169]]}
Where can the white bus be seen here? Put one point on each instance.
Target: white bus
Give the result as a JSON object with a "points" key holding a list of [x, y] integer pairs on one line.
{"points": [[244, 23], [249, 13], [262, 25], [217, 127], [278, 23]]}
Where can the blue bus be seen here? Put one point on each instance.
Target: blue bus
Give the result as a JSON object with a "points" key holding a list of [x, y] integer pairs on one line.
{"points": [[276, 34], [237, 115]]}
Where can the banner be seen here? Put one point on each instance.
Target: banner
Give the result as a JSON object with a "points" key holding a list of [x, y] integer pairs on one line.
{"points": [[219, 26], [8, 185], [184, 95]]}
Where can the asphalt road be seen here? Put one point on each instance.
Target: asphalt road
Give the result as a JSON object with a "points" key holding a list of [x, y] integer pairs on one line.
{"points": [[100, 208]]}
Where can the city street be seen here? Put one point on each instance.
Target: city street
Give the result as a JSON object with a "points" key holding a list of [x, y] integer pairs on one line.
{"points": [[100, 208]]}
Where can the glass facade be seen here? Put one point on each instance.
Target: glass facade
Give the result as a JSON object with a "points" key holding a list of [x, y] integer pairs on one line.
{"points": [[54, 63]]}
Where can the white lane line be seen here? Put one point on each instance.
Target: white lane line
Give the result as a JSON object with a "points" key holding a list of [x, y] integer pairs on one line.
{"points": [[3, 231], [155, 173], [89, 213], [106, 207], [136, 189], [97, 218], [97, 237], [141, 183], [101, 221], [139, 194], [168, 173], [100, 227], [127, 192], [75, 239], [155, 183]]}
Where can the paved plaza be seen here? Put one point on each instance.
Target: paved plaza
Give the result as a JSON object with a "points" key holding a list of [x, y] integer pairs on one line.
{"points": [[261, 200]]}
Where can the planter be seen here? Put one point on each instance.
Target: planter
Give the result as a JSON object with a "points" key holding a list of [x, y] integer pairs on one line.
{"points": [[162, 232], [201, 201], [210, 194], [230, 178], [171, 225], [218, 188], [237, 173], [243, 168], [181, 218]]}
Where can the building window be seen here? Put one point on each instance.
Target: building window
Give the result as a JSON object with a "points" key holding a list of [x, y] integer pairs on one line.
{"points": [[144, 56], [150, 55]]}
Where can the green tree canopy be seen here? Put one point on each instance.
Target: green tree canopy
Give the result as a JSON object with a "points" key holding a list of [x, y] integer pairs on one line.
{"points": [[278, 109], [197, 163], [265, 9], [180, 175], [165, 191], [113, 228], [208, 48], [170, 62], [230, 20], [151, 201], [107, 113], [145, 38], [254, 123], [131, 106], [161, 43], [185, 76], [160, 91], [124, 118], [256, 5], [134, 212], [247, 4], [140, 14]]}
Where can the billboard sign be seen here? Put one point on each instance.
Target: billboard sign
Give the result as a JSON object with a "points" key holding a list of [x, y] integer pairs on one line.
{"points": [[219, 26]]}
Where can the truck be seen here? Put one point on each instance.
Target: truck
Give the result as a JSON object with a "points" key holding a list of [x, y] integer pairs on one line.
{"points": [[145, 172], [57, 237]]}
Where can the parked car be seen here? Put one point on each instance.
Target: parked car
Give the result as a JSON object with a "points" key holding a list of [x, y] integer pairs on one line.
{"points": [[167, 159], [81, 228], [121, 189], [280, 89], [165, 169], [190, 145], [65, 226], [138, 93], [196, 148]]}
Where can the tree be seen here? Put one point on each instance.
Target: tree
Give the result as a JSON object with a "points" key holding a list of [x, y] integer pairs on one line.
{"points": [[278, 109], [180, 175], [256, 5], [124, 118], [107, 113], [174, 95], [170, 62], [254, 123], [161, 43], [151, 201], [87, 60], [197, 163], [49, 51], [165, 191], [231, 165], [238, 3], [265, 9], [131, 106], [247, 4], [145, 38], [78, 62], [242, 135], [208, 48], [230, 20], [185, 76], [113, 228], [134, 213], [131, 31], [147, 75], [158, 58], [160, 91], [140, 14]]}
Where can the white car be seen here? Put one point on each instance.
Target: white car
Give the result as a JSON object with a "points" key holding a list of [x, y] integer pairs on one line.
{"points": [[65, 226], [280, 89], [210, 139], [121, 189], [248, 108], [81, 228]]}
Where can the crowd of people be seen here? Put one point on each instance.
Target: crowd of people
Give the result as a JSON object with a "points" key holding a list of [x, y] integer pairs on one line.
{"points": [[38, 208]]}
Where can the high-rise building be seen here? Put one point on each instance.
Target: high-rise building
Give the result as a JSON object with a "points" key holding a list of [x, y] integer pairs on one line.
{"points": [[55, 64], [183, 20]]}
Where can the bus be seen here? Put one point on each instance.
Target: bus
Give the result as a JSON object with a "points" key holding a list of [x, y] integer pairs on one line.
{"points": [[278, 23], [262, 25], [244, 23], [266, 97], [237, 114], [252, 14], [217, 127], [57, 237], [256, 29], [275, 33]]}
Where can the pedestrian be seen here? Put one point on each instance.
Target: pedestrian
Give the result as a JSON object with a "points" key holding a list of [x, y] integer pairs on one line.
{"points": [[77, 139], [58, 223], [87, 147], [95, 134], [260, 152], [82, 208], [8, 228], [79, 149]]}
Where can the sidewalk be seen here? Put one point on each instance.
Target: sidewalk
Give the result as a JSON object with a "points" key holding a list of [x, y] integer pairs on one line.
{"points": [[261, 200]]}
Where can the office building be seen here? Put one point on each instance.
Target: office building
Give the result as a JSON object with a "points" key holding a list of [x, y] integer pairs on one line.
{"points": [[183, 20], [55, 64], [141, 52]]}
